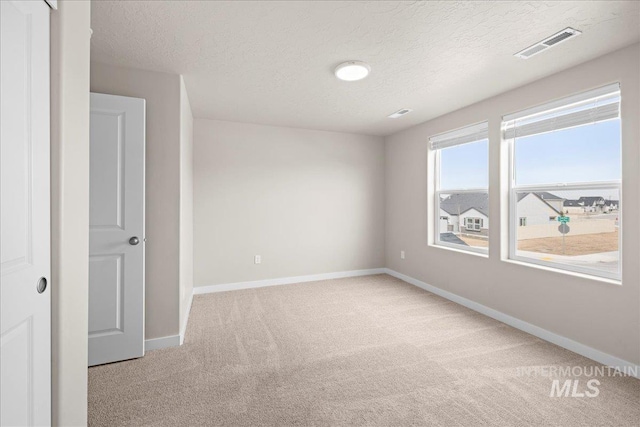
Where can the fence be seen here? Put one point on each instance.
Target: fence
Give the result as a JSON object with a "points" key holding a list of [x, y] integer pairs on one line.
{"points": [[587, 226]]}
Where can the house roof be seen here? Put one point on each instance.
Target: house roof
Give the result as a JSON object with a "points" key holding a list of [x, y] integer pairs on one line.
{"points": [[591, 200], [459, 203], [545, 197]]}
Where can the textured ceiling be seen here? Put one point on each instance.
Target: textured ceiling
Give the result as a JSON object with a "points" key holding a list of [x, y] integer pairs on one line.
{"points": [[272, 62]]}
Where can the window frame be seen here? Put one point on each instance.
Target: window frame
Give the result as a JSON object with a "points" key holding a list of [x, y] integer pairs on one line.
{"points": [[514, 224], [437, 192]]}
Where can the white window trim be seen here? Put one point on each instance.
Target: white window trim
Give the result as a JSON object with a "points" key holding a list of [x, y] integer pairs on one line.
{"points": [[508, 121], [437, 143], [460, 136], [514, 220], [563, 102]]}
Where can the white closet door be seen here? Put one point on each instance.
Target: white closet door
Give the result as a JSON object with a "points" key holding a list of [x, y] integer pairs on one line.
{"points": [[25, 294]]}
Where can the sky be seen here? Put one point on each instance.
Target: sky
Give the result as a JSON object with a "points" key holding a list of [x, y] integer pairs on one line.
{"points": [[465, 166], [582, 154]]}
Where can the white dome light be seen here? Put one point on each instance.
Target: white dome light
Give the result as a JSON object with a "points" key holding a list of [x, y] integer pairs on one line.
{"points": [[352, 70]]}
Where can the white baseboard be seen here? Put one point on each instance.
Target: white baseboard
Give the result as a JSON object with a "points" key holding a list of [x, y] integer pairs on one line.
{"points": [[171, 340], [162, 342], [185, 319], [206, 289], [564, 342]]}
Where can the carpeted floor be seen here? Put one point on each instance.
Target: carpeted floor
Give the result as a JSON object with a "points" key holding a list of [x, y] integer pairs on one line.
{"points": [[360, 351]]}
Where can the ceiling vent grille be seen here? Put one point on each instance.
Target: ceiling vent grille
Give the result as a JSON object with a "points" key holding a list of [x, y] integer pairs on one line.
{"points": [[553, 40], [399, 113]]}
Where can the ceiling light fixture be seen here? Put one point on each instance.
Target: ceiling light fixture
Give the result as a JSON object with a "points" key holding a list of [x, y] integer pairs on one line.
{"points": [[352, 71]]}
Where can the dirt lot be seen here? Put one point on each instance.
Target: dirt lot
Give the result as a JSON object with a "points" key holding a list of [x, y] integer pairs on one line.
{"points": [[478, 243], [584, 244]]}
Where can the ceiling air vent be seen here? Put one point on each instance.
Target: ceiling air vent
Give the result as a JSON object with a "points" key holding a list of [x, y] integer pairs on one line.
{"points": [[399, 113], [553, 40]]}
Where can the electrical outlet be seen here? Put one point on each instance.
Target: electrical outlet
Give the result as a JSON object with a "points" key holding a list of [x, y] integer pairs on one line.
{"points": [[401, 254], [257, 259]]}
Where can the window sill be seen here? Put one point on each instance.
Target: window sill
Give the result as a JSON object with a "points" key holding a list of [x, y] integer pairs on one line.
{"points": [[562, 271], [461, 251]]}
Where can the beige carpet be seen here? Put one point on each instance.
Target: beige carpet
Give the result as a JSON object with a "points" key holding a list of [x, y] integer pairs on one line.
{"points": [[360, 351]]}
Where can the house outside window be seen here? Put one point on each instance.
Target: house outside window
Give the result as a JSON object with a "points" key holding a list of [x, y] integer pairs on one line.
{"points": [[474, 224], [461, 188], [566, 165]]}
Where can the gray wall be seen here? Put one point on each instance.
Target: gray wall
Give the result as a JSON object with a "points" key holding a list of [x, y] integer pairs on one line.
{"points": [[307, 201], [602, 315], [70, 39], [162, 93]]}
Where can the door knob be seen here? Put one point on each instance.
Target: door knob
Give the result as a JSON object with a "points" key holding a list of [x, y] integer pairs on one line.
{"points": [[134, 241], [41, 285]]}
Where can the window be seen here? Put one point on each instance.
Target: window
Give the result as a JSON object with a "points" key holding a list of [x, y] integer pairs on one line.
{"points": [[565, 181], [474, 224], [461, 188]]}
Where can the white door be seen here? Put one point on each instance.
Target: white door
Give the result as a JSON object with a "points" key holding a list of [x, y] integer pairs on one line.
{"points": [[25, 295], [116, 229]]}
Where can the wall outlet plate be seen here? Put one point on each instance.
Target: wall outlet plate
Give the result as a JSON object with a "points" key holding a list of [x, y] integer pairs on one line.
{"points": [[257, 259]]}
